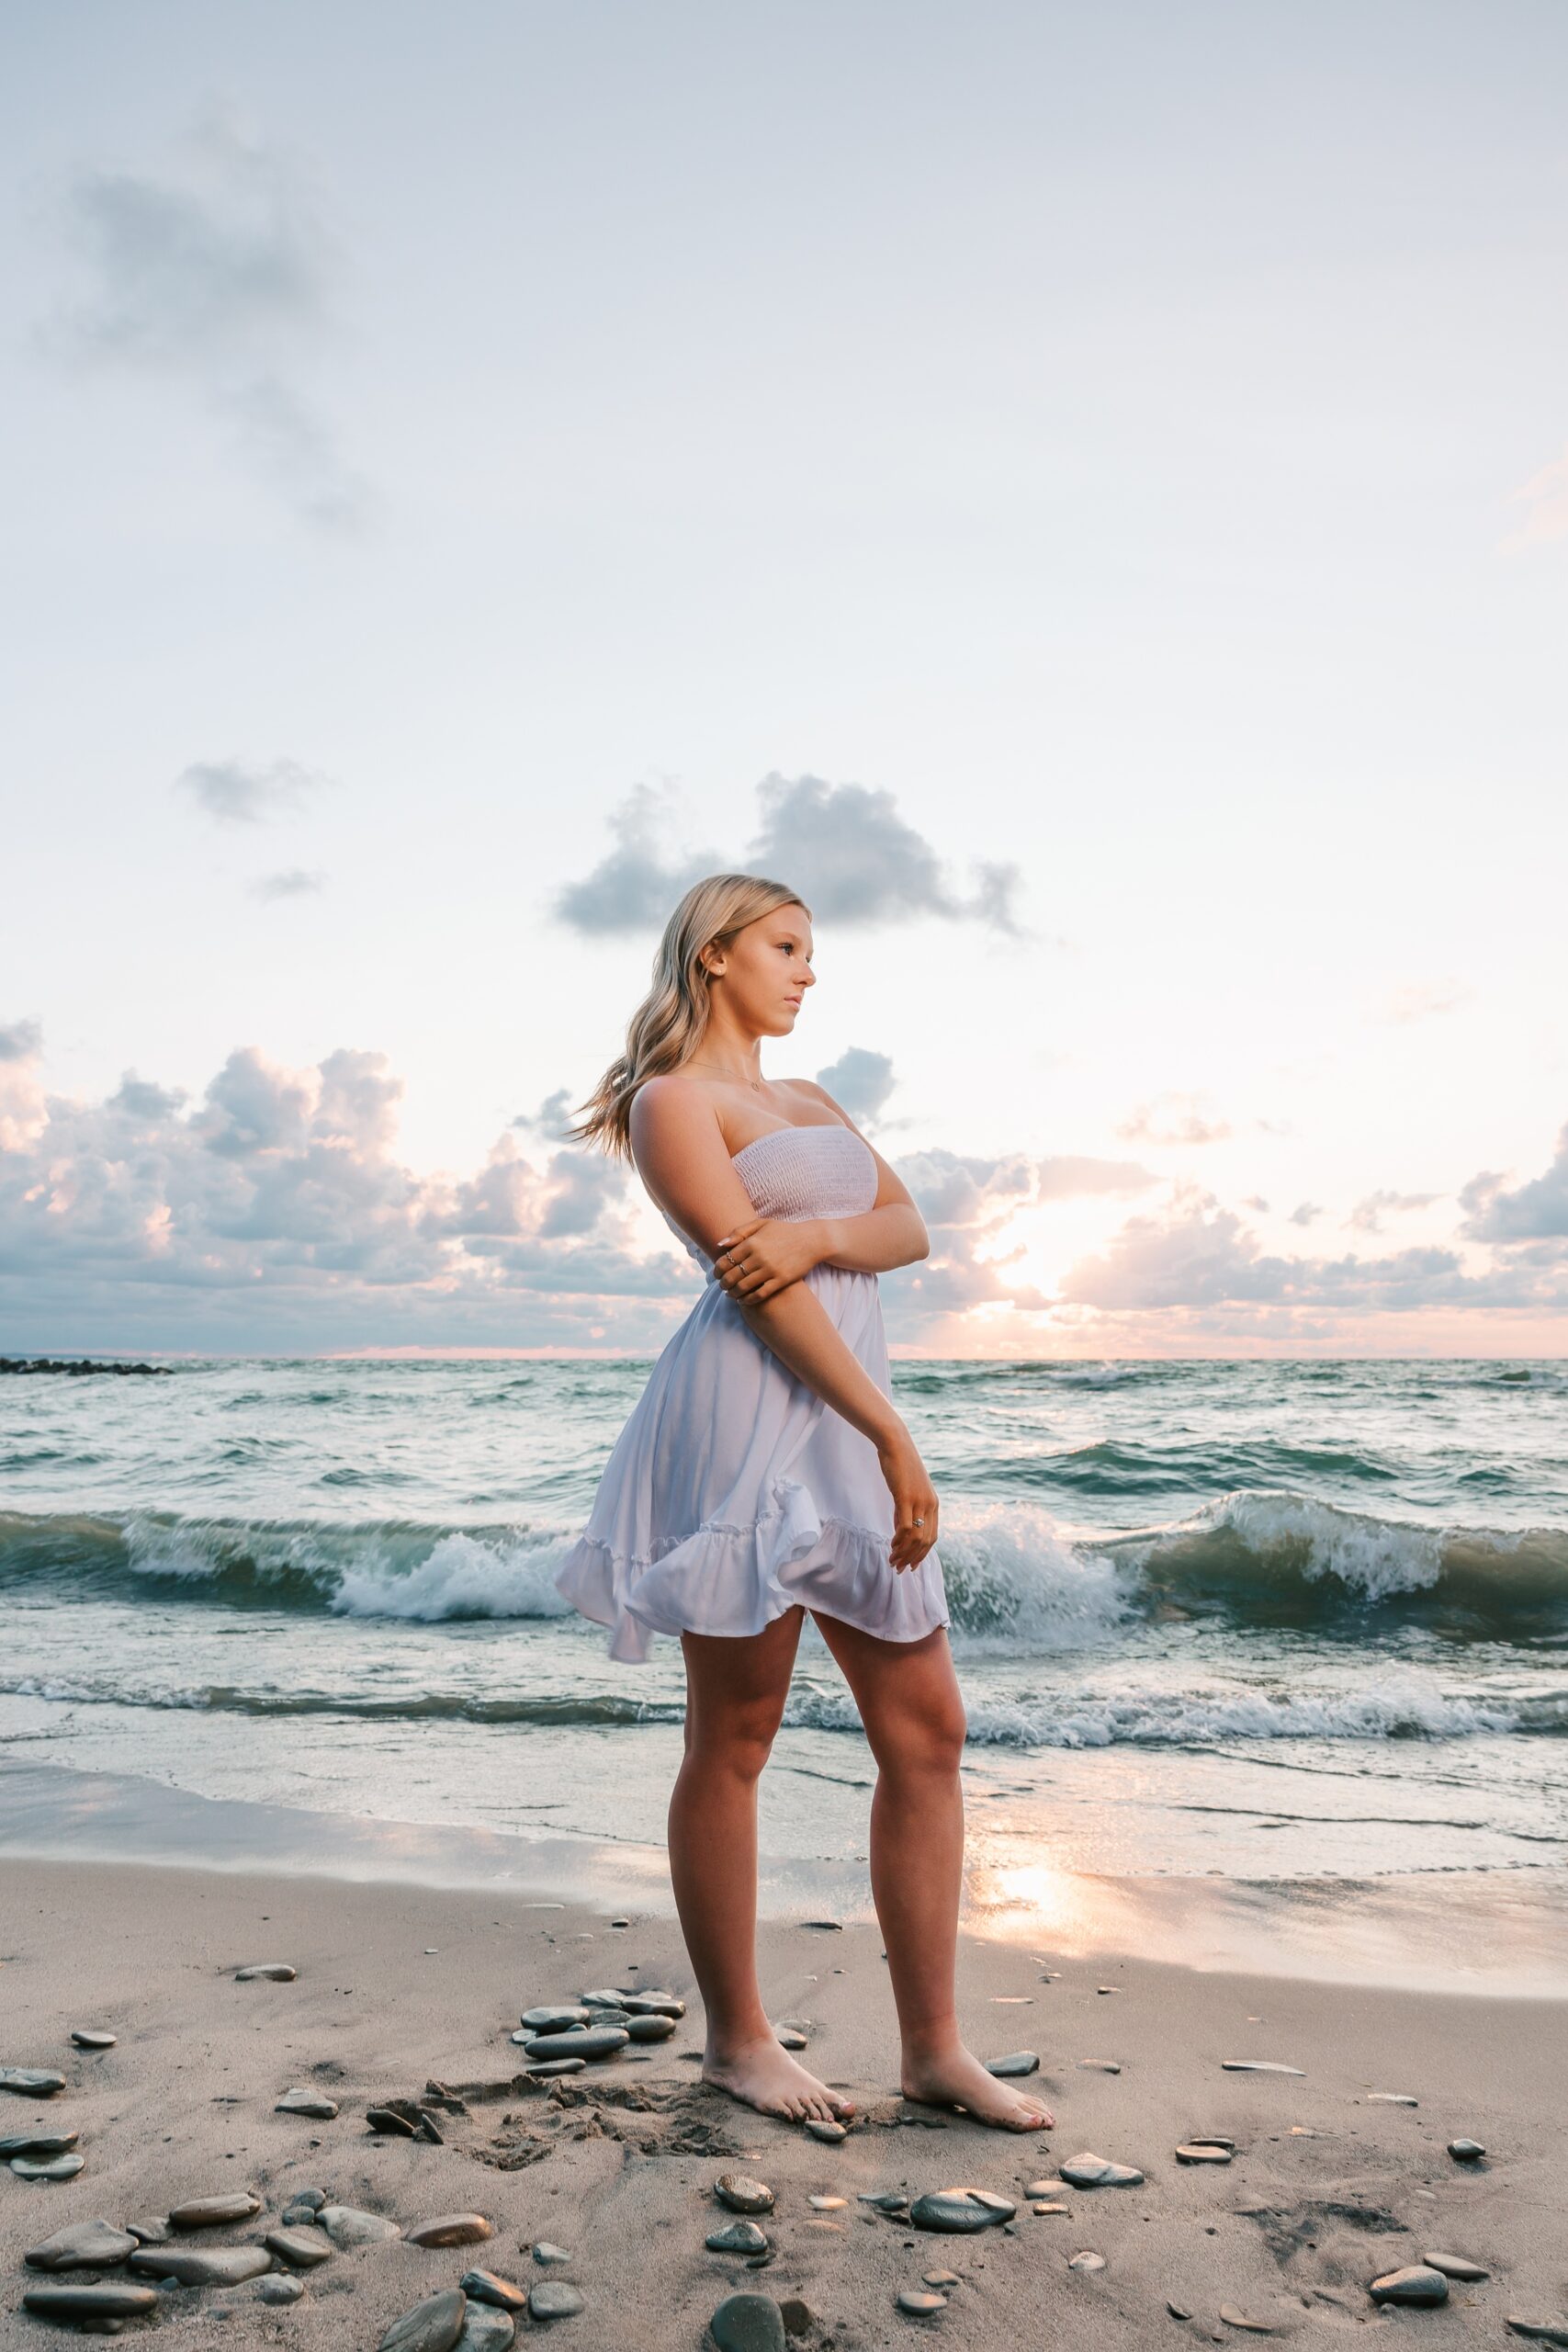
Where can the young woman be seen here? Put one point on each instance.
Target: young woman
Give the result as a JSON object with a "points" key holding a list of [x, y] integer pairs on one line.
{"points": [[763, 1473]]}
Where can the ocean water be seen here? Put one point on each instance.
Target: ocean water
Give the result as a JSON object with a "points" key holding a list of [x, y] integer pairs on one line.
{"points": [[1293, 1620]]}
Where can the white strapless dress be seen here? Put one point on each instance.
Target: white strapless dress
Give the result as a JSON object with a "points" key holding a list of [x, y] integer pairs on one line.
{"points": [[734, 1492]]}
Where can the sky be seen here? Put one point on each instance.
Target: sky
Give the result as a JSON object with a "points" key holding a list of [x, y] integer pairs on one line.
{"points": [[1079, 492]]}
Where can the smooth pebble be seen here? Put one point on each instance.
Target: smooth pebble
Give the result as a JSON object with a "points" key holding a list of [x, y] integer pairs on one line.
{"points": [[554, 2299], [434, 2325], [748, 2323]]}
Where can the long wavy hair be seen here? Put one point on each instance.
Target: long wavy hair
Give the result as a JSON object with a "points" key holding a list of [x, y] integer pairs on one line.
{"points": [[670, 1024]]}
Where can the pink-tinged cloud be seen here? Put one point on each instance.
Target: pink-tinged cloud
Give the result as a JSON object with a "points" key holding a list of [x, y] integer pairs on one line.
{"points": [[1173, 1119], [1200, 1255], [274, 1214]]}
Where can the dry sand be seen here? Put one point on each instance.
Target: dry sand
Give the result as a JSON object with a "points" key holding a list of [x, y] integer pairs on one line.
{"points": [[1327, 2189]]}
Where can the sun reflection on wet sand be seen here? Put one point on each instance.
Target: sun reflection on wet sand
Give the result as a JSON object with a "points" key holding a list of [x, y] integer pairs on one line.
{"points": [[1450, 1930]]}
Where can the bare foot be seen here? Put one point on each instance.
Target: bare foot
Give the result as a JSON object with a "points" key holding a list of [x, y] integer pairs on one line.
{"points": [[956, 2078], [767, 2078]]}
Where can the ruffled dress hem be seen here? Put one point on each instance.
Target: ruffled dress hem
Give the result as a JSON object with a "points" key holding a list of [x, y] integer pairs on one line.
{"points": [[787, 1557]]}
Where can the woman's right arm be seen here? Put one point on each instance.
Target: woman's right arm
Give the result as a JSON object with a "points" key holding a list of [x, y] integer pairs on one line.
{"points": [[683, 1159]]}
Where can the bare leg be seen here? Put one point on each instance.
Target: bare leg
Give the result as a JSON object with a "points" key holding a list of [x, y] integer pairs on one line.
{"points": [[736, 1690], [910, 1702]]}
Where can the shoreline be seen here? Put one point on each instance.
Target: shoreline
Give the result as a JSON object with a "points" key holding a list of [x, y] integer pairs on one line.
{"points": [[1485, 1933], [399, 1985]]}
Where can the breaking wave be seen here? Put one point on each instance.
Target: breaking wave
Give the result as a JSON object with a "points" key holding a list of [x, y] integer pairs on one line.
{"points": [[1018, 1583]]}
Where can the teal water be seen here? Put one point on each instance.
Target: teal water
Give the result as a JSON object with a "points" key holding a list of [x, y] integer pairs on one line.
{"points": [[1257, 1618]]}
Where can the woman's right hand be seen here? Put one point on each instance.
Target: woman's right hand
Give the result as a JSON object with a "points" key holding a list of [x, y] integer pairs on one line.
{"points": [[914, 1498]]}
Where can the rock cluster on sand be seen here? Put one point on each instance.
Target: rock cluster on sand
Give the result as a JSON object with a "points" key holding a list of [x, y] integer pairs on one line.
{"points": [[178, 2251], [579, 2041], [562, 2037]]}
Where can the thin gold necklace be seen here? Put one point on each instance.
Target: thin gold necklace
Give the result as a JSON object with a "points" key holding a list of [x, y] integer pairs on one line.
{"points": [[756, 1085]]}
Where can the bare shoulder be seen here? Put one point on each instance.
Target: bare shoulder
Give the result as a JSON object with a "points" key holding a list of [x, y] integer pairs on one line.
{"points": [[670, 1105]]}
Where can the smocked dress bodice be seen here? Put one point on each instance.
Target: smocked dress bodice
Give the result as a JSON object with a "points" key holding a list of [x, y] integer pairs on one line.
{"points": [[796, 1172]]}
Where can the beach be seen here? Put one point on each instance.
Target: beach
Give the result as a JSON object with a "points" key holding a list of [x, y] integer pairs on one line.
{"points": [[407, 1991], [1262, 1671]]}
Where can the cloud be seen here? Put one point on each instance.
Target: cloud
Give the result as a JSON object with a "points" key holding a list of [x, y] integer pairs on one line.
{"points": [[277, 1205], [22, 1109], [1423, 999], [1545, 501], [857, 862], [551, 1117], [853, 858], [1537, 1211], [217, 274], [966, 1202], [272, 1210], [1067, 1178], [860, 1081], [237, 792], [1367, 1214], [20, 1041], [294, 882], [1305, 1213], [285, 442], [637, 885], [1200, 1254], [1173, 1119]]}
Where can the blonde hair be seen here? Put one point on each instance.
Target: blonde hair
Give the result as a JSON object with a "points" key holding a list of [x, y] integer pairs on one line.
{"points": [[668, 1024]]}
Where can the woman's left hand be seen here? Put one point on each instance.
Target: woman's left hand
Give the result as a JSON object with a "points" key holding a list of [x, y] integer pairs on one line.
{"points": [[765, 1254]]}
